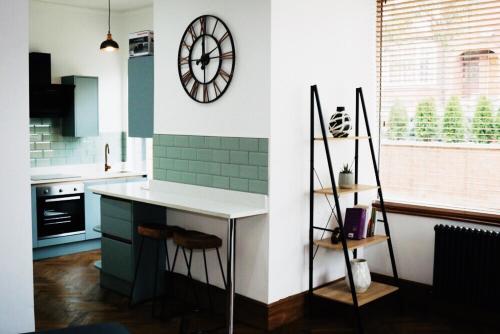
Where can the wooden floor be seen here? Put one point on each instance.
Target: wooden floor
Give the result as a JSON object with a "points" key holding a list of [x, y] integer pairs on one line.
{"points": [[67, 293]]}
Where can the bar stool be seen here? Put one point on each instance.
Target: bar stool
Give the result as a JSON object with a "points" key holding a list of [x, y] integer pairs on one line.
{"points": [[157, 233], [195, 240]]}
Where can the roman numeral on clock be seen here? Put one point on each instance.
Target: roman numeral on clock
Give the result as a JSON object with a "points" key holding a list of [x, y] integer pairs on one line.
{"points": [[227, 55], [203, 25], [194, 89], [224, 75], [186, 77], [206, 98], [186, 45], [184, 60], [226, 35], [193, 33], [216, 88]]}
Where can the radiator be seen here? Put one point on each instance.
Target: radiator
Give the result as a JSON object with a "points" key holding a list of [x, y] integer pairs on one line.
{"points": [[467, 265]]}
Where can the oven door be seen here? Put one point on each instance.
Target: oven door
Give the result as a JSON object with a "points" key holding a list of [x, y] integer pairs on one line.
{"points": [[60, 216]]}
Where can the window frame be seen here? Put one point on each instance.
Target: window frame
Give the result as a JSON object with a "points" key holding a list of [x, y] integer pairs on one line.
{"points": [[464, 215]]}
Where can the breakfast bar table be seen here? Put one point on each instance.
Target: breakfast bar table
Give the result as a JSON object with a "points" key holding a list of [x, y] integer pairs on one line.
{"points": [[225, 204]]}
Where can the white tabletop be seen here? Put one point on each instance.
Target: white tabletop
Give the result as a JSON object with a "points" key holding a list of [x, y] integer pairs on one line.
{"points": [[202, 200]]}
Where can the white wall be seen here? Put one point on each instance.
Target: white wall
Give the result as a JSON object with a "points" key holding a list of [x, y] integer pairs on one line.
{"points": [[72, 36], [413, 242], [243, 111], [328, 43], [332, 44], [16, 278]]}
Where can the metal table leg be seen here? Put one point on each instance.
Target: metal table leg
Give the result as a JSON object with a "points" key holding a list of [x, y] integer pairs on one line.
{"points": [[231, 249]]}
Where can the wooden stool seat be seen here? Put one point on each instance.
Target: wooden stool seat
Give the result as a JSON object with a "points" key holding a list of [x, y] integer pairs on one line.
{"points": [[157, 232], [196, 240]]}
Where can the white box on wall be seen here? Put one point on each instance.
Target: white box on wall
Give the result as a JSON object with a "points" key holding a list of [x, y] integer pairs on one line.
{"points": [[141, 43]]}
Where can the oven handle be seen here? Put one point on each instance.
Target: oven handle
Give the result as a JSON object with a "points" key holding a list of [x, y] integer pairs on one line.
{"points": [[62, 199], [57, 223]]}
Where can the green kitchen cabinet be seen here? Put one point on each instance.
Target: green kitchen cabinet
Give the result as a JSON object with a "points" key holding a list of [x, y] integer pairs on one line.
{"points": [[120, 246], [83, 118], [141, 97], [93, 204]]}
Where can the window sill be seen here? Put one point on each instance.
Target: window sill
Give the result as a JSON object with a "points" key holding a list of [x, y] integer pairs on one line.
{"points": [[465, 216]]}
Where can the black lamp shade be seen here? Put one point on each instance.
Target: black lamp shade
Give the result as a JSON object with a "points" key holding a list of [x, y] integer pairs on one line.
{"points": [[109, 44]]}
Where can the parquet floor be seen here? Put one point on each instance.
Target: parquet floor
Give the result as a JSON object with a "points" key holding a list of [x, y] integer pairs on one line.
{"points": [[67, 293]]}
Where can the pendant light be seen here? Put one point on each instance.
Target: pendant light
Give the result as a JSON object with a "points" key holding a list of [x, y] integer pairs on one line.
{"points": [[109, 44]]}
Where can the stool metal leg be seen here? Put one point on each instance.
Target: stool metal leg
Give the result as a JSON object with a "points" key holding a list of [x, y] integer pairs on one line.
{"points": [[136, 271], [166, 254], [208, 282], [191, 280], [175, 258], [155, 287], [221, 268]]}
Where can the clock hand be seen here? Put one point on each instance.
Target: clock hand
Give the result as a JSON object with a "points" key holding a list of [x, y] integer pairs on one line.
{"points": [[208, 54], [203, 45]]}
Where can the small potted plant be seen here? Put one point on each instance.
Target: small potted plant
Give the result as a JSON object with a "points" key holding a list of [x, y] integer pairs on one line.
{"points": [[346, 178]]}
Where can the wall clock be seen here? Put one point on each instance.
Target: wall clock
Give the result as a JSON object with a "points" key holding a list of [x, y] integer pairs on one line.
{"points": [[206, 59]]}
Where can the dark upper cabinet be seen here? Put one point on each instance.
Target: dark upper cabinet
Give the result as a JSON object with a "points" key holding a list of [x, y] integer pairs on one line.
{"points": [[83, 117], [47, 99], [141, 97], [39, 69]]}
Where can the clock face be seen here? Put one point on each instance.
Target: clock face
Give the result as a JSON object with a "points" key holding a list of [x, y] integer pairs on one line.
{"points": [[206, 59]]}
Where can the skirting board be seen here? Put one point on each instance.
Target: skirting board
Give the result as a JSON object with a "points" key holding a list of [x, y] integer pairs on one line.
{"points": [[65, 249], [272, 316]]}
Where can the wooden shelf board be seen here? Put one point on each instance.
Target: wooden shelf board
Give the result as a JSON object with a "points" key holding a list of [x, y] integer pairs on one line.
{"points": [[338, 291], [343, 138], [352, 244], [341, 191]]}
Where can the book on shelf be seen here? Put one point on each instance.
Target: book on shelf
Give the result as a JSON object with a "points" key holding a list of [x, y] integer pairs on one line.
{"points": [[371, 223], [355, 223]]}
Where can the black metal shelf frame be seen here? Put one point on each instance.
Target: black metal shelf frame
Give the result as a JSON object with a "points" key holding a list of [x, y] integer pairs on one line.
{"points": [[360, 102]]}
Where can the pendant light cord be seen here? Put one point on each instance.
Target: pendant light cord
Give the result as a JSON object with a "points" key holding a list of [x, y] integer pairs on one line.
{"points": [[109, 16]]}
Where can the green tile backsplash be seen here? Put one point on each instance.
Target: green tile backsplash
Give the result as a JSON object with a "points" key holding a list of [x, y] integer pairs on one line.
{"points": [[220, 162], [49, 148]]}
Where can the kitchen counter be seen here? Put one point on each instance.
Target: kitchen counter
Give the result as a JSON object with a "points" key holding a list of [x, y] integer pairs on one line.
{"points": [[161, 196], [196, 199], [81, 173]]}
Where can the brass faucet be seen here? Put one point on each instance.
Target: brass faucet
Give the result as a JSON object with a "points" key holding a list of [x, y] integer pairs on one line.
{"points": [[106, 152]]}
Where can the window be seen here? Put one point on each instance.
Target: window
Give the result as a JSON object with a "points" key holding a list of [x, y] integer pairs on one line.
{"points": [[439, 102]]}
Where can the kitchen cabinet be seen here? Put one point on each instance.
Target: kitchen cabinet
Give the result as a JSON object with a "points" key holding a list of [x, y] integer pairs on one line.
{"points": [[93, 204], [120, 247], [83, 118], [141, 97]]}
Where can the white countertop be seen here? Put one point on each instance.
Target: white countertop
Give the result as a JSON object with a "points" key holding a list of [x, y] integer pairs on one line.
{"points": [[86, 173], [202, 200]]}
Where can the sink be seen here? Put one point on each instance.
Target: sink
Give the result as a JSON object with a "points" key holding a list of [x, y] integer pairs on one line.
{"points": [[123, 172]]}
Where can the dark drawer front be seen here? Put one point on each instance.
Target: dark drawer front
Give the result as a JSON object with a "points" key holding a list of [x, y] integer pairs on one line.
{"points": [[116, 208], [117, 258], [116, 227]]}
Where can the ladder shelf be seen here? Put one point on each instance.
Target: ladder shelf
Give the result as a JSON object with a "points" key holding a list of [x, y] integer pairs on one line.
{"points": [[337, 290], [352, 244], [345, 191]]}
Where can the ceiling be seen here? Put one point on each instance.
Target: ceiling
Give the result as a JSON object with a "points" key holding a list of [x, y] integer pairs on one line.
{"points": [[116, 5]]}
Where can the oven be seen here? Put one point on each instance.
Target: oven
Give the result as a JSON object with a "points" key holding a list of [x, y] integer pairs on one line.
{"points": [[60, 210]]}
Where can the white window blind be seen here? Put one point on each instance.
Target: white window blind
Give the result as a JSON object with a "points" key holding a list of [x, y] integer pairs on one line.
{"points": [[439, 101]]}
